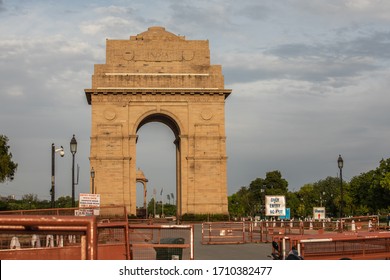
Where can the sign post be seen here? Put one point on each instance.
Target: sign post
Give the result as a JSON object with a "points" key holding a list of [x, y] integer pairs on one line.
{"points": [[275, 205], [319, 213], [89, 204]]}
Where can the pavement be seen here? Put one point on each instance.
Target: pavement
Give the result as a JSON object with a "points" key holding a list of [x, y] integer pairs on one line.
{"points": [[247, 251]]}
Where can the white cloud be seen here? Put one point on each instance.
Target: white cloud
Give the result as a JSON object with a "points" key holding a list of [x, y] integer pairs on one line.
{"points": [[14, 91], [113, 10], [346, 10], [109, 27]]}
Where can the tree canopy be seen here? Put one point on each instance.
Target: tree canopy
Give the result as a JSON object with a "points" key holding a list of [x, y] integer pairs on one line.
{"points": [[367, 193], [7, 166]]}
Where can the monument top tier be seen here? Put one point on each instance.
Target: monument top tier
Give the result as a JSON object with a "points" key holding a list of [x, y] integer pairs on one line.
{"points": [[157, 33], [160, 60]]}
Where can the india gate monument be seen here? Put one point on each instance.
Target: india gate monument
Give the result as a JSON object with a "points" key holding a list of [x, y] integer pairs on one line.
{"points": [[157, 76]]}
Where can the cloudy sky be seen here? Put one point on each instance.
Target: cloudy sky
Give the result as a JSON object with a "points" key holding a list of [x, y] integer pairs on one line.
{"points": [[310, 81]]}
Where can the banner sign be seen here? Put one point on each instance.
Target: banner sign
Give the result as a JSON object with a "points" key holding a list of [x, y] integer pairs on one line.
{"points": [[88, 200], [319, 213], [84, 212], [275, 205]]}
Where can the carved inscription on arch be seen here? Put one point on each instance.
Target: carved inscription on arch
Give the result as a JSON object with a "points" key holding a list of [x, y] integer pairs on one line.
{"points": [[158, 55]]}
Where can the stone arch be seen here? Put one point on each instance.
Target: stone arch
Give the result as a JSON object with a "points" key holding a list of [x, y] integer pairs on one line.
{"points": [[171, 121], [165, 117], [158, 76]]}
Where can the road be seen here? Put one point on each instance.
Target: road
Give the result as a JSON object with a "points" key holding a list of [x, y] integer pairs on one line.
{"points": [[248, 251]]}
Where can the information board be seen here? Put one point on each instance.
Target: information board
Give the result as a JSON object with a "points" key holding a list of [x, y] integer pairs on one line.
{"points": [[88, 204], [319, 213], [275, 205], [88, 200]]}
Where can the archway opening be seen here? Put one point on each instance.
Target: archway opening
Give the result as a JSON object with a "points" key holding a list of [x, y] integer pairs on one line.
{"points": [[157, 151]]}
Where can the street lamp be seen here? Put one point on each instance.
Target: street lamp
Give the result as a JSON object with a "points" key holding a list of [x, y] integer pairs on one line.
{"points": [[93, 180], [262, 190], [73, 150], [340, 164], [52, 189]]}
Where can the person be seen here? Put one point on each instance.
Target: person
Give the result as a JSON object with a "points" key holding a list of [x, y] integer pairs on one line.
{"points": [[293, 254], [49, 240], [35, 242], [15, 244]]}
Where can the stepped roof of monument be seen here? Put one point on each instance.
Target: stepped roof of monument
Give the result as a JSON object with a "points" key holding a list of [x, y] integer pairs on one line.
{"points": [[157, 33]]}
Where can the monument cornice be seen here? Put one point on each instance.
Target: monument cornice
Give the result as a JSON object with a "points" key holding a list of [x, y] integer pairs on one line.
{"points": [[155, 91], [115, 158]]}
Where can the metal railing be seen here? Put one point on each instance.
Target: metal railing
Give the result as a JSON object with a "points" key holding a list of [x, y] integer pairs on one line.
{"points": [[108, 236], [167, 242], [355, 246], [224, 233], [265, 231], [17, 231]]}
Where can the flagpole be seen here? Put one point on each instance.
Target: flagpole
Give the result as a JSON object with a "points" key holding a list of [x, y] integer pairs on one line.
{"points": [[154, 206], [162, 203]]}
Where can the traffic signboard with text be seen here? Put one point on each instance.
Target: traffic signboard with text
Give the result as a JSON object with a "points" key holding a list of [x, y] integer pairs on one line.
{"points": [[319, 213], [275, 205]]}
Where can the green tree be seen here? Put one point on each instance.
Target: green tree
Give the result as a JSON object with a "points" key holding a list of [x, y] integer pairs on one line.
{"points": [[293, 202], [307, 200], [327, 194], [246, 201], [256, 195], [370, 191], [29, 201], [275, 184], [169, 210], [235, 205], [64, 202], [150, 206], [7, 166], [249, 201]]}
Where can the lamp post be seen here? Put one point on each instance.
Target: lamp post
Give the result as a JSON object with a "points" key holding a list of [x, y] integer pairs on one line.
{"points": [[93, 180], [52, 189], [73, 150], [262, 190], [340, 164]]}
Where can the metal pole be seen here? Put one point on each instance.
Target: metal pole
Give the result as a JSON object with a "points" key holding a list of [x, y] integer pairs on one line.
{"points": [[73, 203], [342, 194], [162, 207], [154, 204], [52, 190], [340, 164], [73, 150], [93, 180], [162, 203]]}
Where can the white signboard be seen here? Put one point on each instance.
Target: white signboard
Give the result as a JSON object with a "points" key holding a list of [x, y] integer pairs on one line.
{"points": [[84, 212], [319, 213], [91, 201], [88, 200], [275, 205]]}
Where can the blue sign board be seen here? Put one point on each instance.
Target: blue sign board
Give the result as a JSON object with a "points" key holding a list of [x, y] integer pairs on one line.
{"points": [[287, 216]]}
